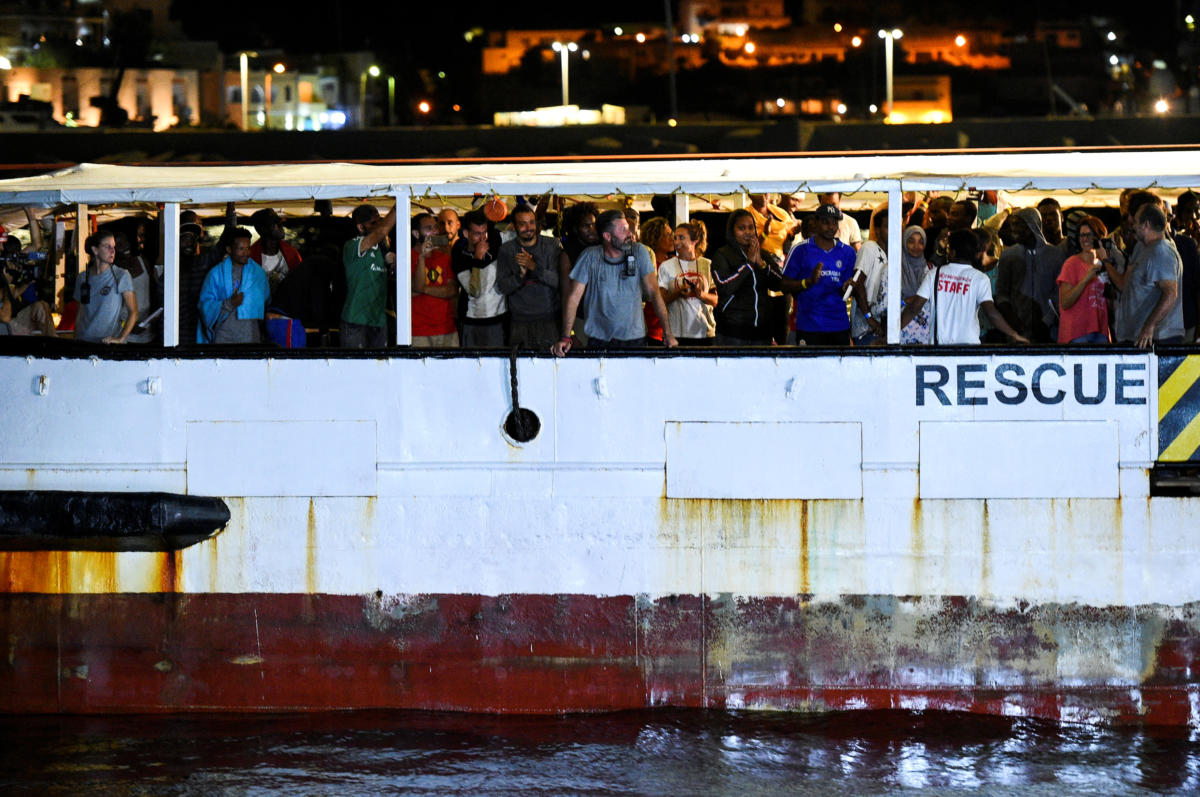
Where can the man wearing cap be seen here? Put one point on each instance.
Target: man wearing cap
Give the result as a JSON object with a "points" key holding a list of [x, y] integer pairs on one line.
{"points": [[817, 272], [848, 231]]}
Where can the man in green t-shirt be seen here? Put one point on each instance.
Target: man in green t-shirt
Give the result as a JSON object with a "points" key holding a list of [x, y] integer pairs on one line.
{"points": [[364, 316]]}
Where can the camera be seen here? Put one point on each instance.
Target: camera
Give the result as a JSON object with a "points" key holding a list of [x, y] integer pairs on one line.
{"points": [[22, 266], [439, 240], [630, 267]]}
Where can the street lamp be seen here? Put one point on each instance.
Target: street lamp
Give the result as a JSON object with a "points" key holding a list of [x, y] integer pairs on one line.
{"points": [[372, 71], [563, 49], [889, 37], [278, 69], [244, 66]]}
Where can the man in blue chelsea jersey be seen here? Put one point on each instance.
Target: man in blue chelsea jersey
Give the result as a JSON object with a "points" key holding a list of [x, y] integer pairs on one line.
{"points": [[817, 272]]}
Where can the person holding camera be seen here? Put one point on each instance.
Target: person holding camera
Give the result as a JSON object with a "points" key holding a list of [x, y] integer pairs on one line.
{"points": [[685, 282], [434, 287], [32, 319], [1083, 309]]}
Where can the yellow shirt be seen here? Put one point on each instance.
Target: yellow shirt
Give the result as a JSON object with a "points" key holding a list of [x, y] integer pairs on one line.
{"points": [[777, 223]]}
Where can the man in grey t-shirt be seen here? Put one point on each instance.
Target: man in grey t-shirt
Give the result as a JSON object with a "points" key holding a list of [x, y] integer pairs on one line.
{"points": [[611, 280], [1152, 310]]}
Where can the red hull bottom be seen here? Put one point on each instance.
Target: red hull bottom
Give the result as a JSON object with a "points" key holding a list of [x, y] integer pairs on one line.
{"points": [[567, 653]]}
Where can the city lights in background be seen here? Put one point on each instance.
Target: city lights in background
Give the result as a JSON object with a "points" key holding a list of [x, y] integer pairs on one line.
{"points": [[373, 71], [641, 38], [1112, 37], [837, 27], [841, 108], [856, 41], [960, 40], [424, 107], [1162, 106], [749, 48]]}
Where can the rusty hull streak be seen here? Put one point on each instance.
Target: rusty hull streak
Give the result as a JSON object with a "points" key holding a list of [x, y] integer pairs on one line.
{"points": [[89, 572], [310, 561], [555, 653]]}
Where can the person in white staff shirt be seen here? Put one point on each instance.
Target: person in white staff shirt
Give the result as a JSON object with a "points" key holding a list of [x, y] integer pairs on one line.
{"points": [[957, 292]]}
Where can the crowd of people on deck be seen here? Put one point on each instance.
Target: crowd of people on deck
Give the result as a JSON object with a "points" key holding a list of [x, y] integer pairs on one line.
{"points": [[973, 270]]}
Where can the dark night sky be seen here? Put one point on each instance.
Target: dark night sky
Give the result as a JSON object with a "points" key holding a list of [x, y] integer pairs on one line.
{"points": [[309, 26], [305, 25]]}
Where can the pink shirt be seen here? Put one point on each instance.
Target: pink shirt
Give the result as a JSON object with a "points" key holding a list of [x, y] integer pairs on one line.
{"points": [[1090, 312]]}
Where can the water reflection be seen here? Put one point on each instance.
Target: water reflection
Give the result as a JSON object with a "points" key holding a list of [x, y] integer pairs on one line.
{"points": [[659, 752]]}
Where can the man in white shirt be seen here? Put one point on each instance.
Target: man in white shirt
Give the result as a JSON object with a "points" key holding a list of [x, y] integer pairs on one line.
{"points": [[957, 292]]}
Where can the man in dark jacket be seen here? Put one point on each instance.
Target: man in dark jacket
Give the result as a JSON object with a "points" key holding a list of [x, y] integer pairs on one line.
{"points": [[1026, 280]]}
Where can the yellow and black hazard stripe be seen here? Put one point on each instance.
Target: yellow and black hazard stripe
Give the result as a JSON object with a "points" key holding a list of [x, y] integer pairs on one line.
{"points": [[1179, 409]]}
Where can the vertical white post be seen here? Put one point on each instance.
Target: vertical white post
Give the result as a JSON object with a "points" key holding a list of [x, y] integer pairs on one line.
{"points": [[681, 209], [895, 262], [82, 230], [169, 230], [565, 67], [887, 50], [244, 69], [403, 240]]}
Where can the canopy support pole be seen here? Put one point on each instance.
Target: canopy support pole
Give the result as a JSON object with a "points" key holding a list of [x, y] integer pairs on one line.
{"points": [[169, 225], [403, 249], [895, 262]]}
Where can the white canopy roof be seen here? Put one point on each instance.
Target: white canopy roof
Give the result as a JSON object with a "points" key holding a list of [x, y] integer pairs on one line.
{"points": [[1043, 171]]}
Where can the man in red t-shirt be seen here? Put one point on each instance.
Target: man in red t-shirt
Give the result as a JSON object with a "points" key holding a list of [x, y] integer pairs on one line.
{"points": [[434, 288]]}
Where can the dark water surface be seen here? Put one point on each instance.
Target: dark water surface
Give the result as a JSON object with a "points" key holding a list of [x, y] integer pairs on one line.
{"points": [[646, 752]]}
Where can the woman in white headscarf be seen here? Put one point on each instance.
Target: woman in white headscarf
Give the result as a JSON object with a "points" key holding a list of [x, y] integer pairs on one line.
{"points": [[912, 274]]}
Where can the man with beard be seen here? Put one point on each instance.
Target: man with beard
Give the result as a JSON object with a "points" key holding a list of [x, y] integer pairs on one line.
{"points": [[233, 299], [1026, 280], [612, 279], [1052, 221], [579, 232], [1150, 309], [527, 274], [474, 261]]}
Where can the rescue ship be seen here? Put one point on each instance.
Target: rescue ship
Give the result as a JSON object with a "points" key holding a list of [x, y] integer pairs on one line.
{"points": [[1006, 530]]}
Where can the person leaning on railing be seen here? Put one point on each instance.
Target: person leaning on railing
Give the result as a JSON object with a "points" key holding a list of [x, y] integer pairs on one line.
{"points": [[104, 292]]}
